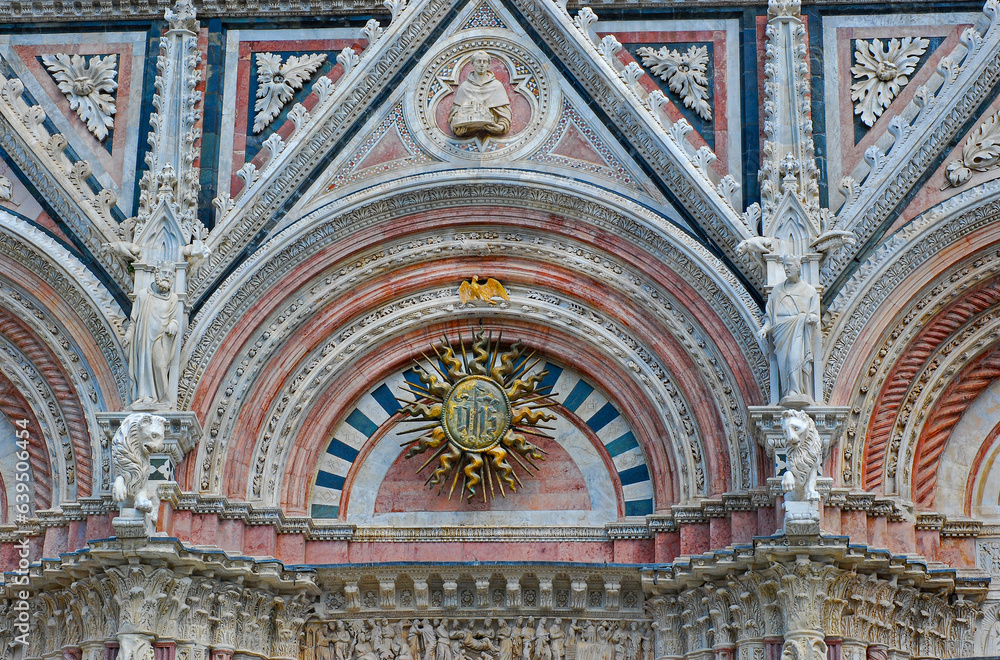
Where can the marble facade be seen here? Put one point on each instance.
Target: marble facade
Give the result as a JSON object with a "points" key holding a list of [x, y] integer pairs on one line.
{"points": [[499, 330]]}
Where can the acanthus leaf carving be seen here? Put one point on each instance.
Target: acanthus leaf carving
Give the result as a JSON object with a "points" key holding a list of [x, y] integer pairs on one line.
{"points": [[685, 73], [880, 73], [980, 153], [87, 85], [278, 81]]}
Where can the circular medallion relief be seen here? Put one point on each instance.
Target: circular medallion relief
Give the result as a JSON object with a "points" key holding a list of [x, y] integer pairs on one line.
{"points": [[483, 98], [476, 413]]}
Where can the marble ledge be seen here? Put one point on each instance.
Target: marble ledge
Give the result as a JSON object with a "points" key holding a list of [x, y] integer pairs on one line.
{"points": [[697, 512]]}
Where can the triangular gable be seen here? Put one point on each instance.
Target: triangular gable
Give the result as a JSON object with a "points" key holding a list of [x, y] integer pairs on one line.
{"points": [[547, 127], [916, 43], [585, 149], [113, 158], [635, 136]]}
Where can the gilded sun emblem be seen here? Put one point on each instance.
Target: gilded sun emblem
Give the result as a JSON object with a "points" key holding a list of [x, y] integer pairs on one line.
{"points": [[479, 408]]}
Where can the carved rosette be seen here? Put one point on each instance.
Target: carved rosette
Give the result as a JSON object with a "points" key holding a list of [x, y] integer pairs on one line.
{"points": [[534, 100]]}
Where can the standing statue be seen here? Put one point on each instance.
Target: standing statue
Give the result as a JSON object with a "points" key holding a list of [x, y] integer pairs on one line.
{"points": [[792, 322], [481, 103], [140, 435], [804, 457], [558, 643], [152, 338]]}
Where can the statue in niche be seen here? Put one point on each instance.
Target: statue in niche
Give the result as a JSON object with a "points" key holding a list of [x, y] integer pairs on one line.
{"points": [[140, 435], [481, 103], [791, 320], [151, 340]]}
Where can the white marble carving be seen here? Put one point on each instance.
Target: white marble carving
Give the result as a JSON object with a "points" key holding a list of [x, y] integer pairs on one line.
{"points": [[278, 81], [804, 459], [685, 73], [6, 189], [792, 323], [980, 153], [880, 73], [152, 340], [88, 87], [481, 103], [139, 435]]}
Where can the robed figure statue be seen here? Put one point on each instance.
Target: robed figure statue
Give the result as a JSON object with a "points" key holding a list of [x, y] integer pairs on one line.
{"points": [[152, 337], [481, 102], [792, 322]]}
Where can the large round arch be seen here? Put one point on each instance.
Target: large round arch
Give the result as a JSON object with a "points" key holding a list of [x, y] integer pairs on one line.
{"points": [[354, 291]]}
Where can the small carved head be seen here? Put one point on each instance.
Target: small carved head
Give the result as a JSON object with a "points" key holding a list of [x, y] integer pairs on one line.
{"points": [[481, 61], [164, 277], [795, 424], [793, 267], [151, 432]]}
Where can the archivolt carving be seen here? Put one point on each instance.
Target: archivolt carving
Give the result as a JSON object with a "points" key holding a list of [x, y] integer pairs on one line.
{"points": [[14, 406], [965, 385], [323, 367], [894, 262], [948, 359], [307, 380], [918, 352], [37, 375], [522, 244], [647, 231], [94, 305]]}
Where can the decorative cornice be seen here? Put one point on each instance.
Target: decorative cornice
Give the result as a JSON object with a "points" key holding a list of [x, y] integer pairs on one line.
{"points": [[21, 11], [251, 515], [837, 551]]}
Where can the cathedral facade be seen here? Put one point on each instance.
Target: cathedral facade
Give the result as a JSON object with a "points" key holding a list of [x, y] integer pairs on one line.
{"points": [[499, 330]]}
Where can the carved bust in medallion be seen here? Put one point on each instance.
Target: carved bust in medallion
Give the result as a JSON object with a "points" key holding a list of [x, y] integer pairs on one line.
{"points": [[481, 102]]}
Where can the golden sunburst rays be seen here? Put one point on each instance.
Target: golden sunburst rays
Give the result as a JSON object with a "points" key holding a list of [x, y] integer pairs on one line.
{"points": [[474, 409]]}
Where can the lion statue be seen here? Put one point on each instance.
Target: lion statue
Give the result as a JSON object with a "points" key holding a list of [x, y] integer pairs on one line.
{"points": [[806, 451], [140, 435]]}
